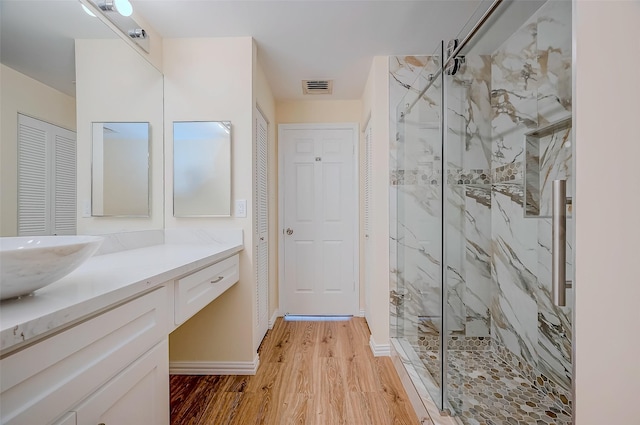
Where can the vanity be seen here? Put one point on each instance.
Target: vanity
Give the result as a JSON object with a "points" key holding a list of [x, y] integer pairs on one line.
{"points": [[92, 348]]}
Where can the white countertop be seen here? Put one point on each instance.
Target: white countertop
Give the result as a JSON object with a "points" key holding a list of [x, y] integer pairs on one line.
{"points": [[101, 282]]}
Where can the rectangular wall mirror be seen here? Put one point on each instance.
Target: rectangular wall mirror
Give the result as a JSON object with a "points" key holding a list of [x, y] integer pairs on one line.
{"points": [[120, 169], [202, 169]]}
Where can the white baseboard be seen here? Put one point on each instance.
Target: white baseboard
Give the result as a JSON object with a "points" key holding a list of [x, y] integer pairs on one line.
{"points": [[214, 368], [361, 313], [273, 319], [379, 350]]}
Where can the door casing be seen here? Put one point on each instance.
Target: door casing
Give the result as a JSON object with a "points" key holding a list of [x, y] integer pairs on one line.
{"points": [[356, 211]]}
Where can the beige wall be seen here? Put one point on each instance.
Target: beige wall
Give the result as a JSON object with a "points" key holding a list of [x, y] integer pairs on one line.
{"points": [[212, 80], [607, 283], [115, 84], [21, 94], [318, 111], [376, 106]]}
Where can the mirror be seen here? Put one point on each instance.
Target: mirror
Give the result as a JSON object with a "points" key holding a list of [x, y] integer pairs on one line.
{"points": [[202, 169], [120, 169], [64, 67]]}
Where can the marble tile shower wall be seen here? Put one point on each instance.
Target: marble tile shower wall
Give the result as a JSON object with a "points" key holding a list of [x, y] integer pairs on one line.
{"points": [[530, 89], [468, 231], [414, 205], [499, 261]]}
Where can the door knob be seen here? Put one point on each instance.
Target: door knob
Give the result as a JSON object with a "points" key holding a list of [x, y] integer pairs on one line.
{"points": [[289, 231]]}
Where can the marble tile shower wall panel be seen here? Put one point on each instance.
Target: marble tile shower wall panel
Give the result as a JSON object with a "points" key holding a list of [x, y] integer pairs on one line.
{"points": [[554, 323], [469, 115], [419, 242], [477, 260], [554, 56], [468, 180], [554, 163], [514, 264], [514, 70], [456, 287], [405, 195]]}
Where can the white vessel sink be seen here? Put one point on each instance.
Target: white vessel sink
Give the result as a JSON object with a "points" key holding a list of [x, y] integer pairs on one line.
{"points": [[28, 263]]}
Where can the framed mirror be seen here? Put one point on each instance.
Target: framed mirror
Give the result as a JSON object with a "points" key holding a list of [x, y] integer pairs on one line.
{"points": [[120, 169], [202, 169]]}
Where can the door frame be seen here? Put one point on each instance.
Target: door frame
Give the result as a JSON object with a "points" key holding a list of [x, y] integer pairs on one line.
{"points": [[356, 199]]}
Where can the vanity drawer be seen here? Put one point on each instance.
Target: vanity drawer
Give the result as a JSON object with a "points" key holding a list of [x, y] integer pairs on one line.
{"points": [[41, 382], [195, 291]]}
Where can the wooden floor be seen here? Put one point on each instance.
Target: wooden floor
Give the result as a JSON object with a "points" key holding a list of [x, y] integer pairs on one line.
{"points": [[311, 373]]}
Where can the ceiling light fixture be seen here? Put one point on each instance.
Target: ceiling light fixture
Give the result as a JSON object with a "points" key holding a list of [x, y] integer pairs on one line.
{"points": [[123, 7], [122, 21]]}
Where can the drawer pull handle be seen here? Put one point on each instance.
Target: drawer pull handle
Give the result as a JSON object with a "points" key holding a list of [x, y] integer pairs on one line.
{"points": [[218, 279]]}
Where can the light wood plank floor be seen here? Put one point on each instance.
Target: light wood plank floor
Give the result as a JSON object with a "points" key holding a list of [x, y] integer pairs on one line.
{"points": [[310, 373]]}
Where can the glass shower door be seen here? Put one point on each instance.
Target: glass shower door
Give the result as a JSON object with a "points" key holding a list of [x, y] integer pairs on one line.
{"points": [[508, 137], [416, 180]]}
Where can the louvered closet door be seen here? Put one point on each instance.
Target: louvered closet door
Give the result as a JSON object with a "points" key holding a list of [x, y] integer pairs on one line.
{"points": [[64, 180], [368, 263], [262, 227], [32, 177], [46, 178]]}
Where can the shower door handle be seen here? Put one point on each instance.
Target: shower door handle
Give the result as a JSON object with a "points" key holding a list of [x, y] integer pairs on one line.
{"points": [[559, 282]]}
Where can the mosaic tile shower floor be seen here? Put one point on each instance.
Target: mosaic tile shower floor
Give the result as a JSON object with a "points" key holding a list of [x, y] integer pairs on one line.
{"points": [[487, 391]]}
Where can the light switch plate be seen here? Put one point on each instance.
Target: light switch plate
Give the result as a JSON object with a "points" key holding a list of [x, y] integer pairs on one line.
{"points": [[241, 207]]}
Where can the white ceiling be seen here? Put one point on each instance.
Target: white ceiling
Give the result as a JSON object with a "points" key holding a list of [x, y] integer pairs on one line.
{"points": [[309, 39], [297, 39]]}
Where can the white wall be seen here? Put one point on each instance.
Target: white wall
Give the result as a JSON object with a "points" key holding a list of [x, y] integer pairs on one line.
{"points": [[607, 97], [376, 104], [115, 84], [21, 94], [211, 80]]}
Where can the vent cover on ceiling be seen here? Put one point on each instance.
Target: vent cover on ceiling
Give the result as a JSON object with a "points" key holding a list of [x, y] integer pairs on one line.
{"points": [[317, 86]]}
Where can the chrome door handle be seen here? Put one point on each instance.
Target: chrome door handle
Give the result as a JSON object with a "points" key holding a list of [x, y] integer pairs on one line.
{"points": [[289, 231], [559, 283]]}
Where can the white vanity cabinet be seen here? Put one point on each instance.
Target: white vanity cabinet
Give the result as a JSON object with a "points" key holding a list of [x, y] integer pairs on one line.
{"points": [[46, 380], [137, 395], [113, 366]]}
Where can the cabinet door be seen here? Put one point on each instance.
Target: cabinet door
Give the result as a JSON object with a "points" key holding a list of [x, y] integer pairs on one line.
{"points": [[138, 395]]}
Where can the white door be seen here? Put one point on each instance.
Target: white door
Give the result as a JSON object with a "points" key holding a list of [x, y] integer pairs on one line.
{"points": [[262, 230], [319, 219]]}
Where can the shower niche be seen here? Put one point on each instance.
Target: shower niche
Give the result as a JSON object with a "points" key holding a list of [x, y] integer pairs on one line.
{"points": [[548, 153]]}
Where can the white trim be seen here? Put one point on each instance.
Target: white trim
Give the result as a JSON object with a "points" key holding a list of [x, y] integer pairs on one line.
{"points": [[273, 319], [214, 368], [379, 350], [356, 224], [361, 313]]}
